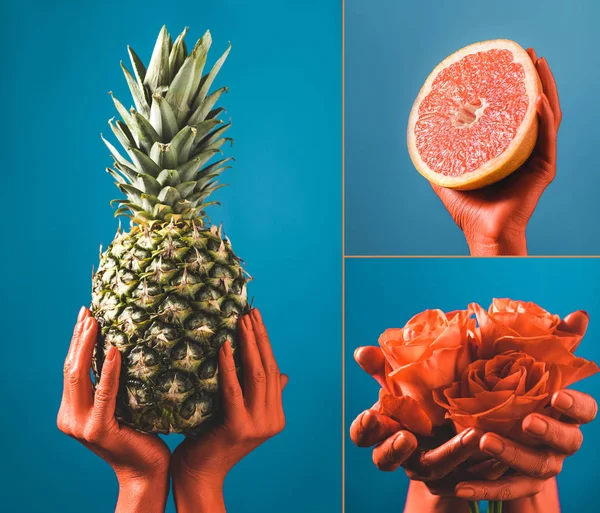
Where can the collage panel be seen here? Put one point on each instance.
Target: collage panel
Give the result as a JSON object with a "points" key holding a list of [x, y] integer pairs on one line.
{"points": [[178, 288], [391, 49], [517, 350]]}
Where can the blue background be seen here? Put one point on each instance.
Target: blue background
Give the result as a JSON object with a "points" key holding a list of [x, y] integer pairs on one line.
{"points": [[284, 74], [383, 294], [391, 47]]}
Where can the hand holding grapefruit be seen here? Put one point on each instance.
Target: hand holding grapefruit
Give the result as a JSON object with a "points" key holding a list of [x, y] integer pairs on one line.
{"points": [[475, 120]]}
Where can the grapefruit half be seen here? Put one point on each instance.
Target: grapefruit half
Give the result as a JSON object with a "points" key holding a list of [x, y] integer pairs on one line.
{"points": [[474, 121]]}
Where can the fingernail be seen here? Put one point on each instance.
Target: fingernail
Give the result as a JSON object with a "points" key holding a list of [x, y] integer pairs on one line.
{"points": [[468, 437], [399, 442], [111, 353], [492, 445], [256, 315], [368, 421], [562, 401], [465, 492], [81, 314], [536, 425], [248, 322], [89, 322], [227, 348]]}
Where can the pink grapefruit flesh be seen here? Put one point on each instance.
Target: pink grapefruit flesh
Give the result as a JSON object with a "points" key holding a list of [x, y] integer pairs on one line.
{"points": [[474, 121]]}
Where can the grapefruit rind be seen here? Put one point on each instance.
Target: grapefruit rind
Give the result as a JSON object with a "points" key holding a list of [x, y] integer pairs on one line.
{"points": [[519, 149]]}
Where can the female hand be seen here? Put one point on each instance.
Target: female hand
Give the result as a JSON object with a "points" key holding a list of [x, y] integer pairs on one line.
{"points": [[494, 219], [140, 461], [434, 464], [556, 436], [558, 439], [438, 467], [199, 465]]}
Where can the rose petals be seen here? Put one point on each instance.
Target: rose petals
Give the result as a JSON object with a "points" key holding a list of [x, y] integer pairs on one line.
{"points": [[480, 368], [406, 411]]}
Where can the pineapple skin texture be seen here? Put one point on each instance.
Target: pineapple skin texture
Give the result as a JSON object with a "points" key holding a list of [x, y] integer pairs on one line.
{"points": [[168, 295]]}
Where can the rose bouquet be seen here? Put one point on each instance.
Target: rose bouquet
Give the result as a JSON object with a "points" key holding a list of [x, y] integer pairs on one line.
{"points": [[477, 368]]}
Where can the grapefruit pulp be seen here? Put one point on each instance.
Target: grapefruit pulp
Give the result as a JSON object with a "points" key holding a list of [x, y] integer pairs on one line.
{"points": [[474, 121]]}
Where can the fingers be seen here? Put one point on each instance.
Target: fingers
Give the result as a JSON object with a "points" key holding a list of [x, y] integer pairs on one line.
{"points": [[564, 438], [508, 488], [372, 361], [394, 451], [83, 314], [578, 406], [283, 379], [539, 464], [77, 381], [371, 428], [532, 54], [439, 462], [550, 90], [489, 470], [575, 323], [255, 380], [546, 144], [271, 369], [105, 398], [231, 391]]}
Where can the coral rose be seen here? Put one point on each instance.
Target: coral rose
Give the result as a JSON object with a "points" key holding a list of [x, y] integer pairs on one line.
{"points": [[524, 357], [496, 395], [517, 326], [431, 351]]}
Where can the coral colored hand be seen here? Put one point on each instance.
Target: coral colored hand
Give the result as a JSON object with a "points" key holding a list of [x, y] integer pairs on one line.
{"points": [[533, 469], [140, 462], [251, 417], [555, 441], [494, 219], [434, 464]]}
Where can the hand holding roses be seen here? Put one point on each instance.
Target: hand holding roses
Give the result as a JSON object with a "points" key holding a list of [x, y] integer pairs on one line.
{"points": [[508, 327]]}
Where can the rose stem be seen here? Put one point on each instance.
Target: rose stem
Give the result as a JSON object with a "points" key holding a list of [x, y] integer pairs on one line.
{"points": [[474, 507], [495, 507]]}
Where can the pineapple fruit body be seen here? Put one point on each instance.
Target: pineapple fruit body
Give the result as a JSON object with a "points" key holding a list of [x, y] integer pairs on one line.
{"points": [[168, 292], [168, 296]]}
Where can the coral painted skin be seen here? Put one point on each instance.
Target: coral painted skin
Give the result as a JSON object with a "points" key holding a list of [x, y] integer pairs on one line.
{"points": [[198, 466], [439, 486], [140, 461], [494, 219]]}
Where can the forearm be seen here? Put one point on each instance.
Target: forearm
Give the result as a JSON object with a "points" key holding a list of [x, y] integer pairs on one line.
{"points": [[143, 496], [194, 494], [420, 500], [546, 501]]}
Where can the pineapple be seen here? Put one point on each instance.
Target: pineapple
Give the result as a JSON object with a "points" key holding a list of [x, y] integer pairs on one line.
{"points": [[168, 292]]}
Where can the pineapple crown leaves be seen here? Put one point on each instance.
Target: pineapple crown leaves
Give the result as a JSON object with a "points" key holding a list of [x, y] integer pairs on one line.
{"points": [[171, 134]]}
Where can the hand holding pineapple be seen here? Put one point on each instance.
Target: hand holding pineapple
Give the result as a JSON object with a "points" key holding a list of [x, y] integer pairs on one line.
{"points": [[251, 417], [199, 465], [140, 461]]}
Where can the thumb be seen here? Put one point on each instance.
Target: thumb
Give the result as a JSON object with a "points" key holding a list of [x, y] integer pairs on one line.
{"points": [[575, 323], [105, 398], [372, 361]]}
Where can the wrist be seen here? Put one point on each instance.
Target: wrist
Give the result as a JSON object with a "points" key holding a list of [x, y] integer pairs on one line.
{"points": [[513, 243], [421, 500], [197, 491], [143, 494], [128, 477]]}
